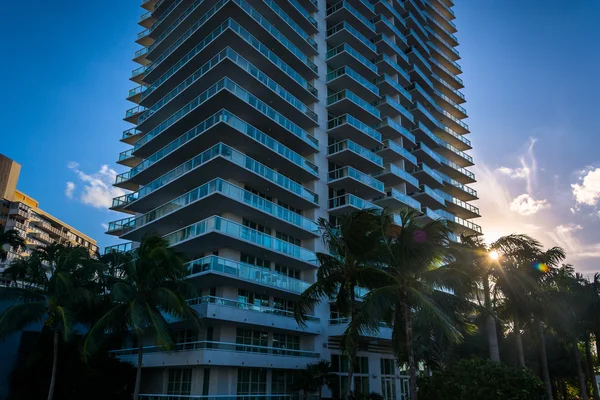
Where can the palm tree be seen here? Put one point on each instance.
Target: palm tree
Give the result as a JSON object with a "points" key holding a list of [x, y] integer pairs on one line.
{"points": [[10, 239], [147, 286], [314, 377], [411, 279], [55, 296], [353, 262]]}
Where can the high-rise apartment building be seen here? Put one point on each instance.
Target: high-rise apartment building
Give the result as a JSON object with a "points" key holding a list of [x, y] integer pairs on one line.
{"points": [[22, 213], [253, 119]]}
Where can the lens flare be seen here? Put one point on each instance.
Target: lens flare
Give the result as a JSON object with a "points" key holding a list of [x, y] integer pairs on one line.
{"points": [[542, 267]]}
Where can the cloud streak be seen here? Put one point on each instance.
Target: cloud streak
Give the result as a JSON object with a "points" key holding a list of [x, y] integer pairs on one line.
{"points": [[69, 189], [97, 190]]}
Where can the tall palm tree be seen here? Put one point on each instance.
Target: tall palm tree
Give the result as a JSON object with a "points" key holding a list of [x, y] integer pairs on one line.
{"points": [[10, 239], [148, 285], [354, 258], [413, 275], [55, 296]]}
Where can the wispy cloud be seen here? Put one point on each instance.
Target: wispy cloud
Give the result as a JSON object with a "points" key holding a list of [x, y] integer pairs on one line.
{"points": [[515, 173], [587, 191], [524, 204], [69, 189], [97, 191]]}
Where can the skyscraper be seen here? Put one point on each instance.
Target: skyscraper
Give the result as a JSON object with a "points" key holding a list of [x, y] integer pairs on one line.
{"points": [[254, 118]]}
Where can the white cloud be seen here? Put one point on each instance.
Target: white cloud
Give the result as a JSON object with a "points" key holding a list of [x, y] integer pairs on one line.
{"points": [[69, 189], [588, 191], [97, 191], [565, 236], [524, 204], [515, 173]]}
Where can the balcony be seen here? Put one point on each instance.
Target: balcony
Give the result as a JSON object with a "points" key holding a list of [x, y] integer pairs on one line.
{"points": [[448, 89], [234, 132], [416, 58], [392, 129], [415, 40], [346, 126], [223, 162], [453, 154], [394, 175], [436, 15], [390, 87], [146, 20], [213, 271], [415, 21], [343, 11], [457, 172], [421, 95], [442, 30], [448, 135], [346, 101], [344, 54], [428, 215], [424, 115], [395, 199], [458, 207], [133, 114], [354, 181], [349, 153], [213, 308], [338, 326], [387, 65], [140, 56], [389, 10], [428, 176], [348, 203], [429, 197], [449, 105], [454, 123], [426, 155], [459, 225], [135, 94], [127, 159], [457, 189], [144, 39], [223, 94], [391, 108], [346, 33], [216, 196], [132, 135], [385, 27], [393, 152], [231, 33], [149, 4], [346, 78], [306, 20], [220, 354], [444, 60], [387, 46]]}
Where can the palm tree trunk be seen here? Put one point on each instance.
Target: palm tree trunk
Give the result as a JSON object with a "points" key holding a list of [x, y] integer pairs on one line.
{"points": [[519, 340], [580, 374], [54, 367], [138, 375], [544, 358], [352, 353], [597, 337], [490, 322], [590, 367], [412, 365]]}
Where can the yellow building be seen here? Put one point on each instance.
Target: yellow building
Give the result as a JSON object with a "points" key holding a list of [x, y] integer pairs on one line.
{"points": [[21, 212]]}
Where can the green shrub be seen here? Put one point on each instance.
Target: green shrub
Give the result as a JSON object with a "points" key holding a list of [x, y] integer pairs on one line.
{"points": [[477, 379]]}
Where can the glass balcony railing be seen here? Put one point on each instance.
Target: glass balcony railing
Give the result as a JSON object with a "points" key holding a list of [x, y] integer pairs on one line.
{"points": [[143, 33], [228, 397], [350, 120], [449, 101], [432, 193], [124, 155], [422, 92], [247, 272], [291, 23], [434, 215], [457, 220], [354, 32], [221, 301], [388, 122], [241, 93], [241, 62], [145, 16], [455, 135], [140, 52], [135, 110], [429, 171], [304, 13], [351, 200], [396, 148], [447, 180], [138, 71], [418, 106], [344, 4], [460, 169], [382, 38], [119, 248], [424, 46], [422, 75], [454, 119], [401, 197], [456, 151], [254, 15], [443, 17], [393, 169], [453, 200], [223, 346], [234, 156], [355, 148], [445, 57], [447, 85], [168, 12], [248, 38], [448, 46], [137, 90], [120, 224], [131, 132], [346, 70], [395, 105], [425, 149], [226, 189], [230, 119], [391, 8], [447, 71], [348, 49], [356, 175], [240, 232], [346, 94], [386, 78], [397, 33], [441, 27], [397, 69]]}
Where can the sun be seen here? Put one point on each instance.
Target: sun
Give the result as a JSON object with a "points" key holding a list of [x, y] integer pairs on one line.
{"points": [[494, 255]]}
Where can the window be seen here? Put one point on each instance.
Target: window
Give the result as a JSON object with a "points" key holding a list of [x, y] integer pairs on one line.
{"points": [[283, 304], [340, 364], [361, 374], [283, 341], [288, 207], [186, 339], [388, 378], [287, 271], [282, 382], [251, 381], [255, 226], [245, 296], [251, 337], [180, 381], [388, 366], [288, 238], [259, 262], [259, 194]]}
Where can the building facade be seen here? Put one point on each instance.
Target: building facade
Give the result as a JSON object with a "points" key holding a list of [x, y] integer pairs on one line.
{"points": [[22, 213], [255, 118]]}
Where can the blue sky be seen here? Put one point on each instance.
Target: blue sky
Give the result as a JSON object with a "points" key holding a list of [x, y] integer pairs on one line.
{"points": [[530, 70]]}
